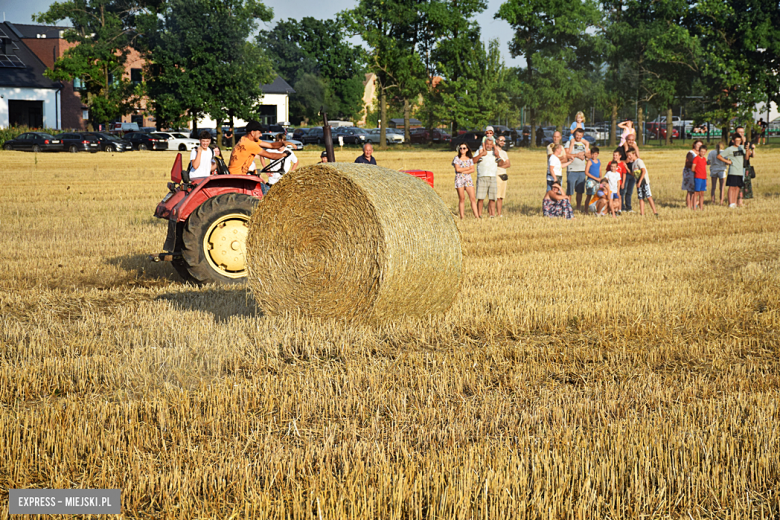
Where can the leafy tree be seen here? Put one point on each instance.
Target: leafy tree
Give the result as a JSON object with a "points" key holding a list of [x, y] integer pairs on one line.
{"points": [[200, 60], [103, 30], [391, 29], [318, 48], [740, 56], [553, 36]]}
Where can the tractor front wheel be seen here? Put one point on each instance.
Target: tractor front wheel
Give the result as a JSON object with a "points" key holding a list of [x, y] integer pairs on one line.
{"points": [[214, 239]]}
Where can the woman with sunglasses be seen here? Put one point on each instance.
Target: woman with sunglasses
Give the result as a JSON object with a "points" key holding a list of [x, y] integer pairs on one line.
{"points": [[464, 167]]}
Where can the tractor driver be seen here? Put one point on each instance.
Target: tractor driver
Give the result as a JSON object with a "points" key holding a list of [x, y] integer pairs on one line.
{"points": [[243, 154]]}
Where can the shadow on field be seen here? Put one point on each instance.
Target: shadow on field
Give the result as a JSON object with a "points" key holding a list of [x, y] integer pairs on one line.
{"points": [[221, 303], [143, 268], [523, 209]]}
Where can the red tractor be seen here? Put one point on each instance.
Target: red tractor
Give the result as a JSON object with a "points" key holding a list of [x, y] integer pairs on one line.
{"points": [[207, 223]]}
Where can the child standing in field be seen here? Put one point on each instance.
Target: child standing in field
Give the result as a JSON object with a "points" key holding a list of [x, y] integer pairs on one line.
{"points": [[623, 171], [628, 128], [556, 165], [579, 122], [688, 182], [643, 192], [700, 177], [613, 179], [734, 156], [592, 174]]}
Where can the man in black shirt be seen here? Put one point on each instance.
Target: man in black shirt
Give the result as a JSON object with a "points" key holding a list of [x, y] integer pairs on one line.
{"points": [[367, 157]]}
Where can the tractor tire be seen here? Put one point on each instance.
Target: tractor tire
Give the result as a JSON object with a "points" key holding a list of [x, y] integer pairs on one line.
{"points": [[73, 149], [142, 147], [180, 266], [214, 239], [36, 148]]}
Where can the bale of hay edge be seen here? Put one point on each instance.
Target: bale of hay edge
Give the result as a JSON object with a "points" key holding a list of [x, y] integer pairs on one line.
{"points": [[353, 241]]}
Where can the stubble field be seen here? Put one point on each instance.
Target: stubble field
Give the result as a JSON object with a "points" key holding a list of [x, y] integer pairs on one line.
{"points": [[594, 368]]}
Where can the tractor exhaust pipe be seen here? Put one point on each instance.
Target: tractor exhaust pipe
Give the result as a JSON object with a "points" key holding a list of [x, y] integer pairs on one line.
{"points": [[327, 137]]}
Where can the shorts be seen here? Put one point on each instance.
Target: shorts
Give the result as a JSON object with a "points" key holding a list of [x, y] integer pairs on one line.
{"points": [[463, 180], [737, 181], [701, 184], [615, 196], [643, 191], [486, 188], [500, 188], [688, 183], [720, 174], [575, 182]]}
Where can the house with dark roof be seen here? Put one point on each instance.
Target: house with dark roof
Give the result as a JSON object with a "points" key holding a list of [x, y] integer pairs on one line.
{"points": [[27, 97], [274, 108]]}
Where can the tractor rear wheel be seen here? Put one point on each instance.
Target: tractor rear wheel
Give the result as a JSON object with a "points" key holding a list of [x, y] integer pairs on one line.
{"points": [[214, 239]]}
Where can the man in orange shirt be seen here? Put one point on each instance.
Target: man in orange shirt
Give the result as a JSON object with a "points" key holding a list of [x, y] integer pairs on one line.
{"points": [[249, 146]]}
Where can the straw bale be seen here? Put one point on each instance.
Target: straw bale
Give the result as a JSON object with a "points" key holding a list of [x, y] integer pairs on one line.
{"points": [[353, 241]]}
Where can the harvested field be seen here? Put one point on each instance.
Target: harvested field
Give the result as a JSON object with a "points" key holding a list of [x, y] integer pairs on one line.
{"points": [[593, 368]]}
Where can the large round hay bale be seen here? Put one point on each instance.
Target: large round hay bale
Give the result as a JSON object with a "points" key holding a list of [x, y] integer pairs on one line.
{"points": [[353, 241]]}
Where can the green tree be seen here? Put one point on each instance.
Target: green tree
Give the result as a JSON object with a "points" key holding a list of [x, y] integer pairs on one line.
{"points": [[318, 48], [104, 31], [554, 37], [201, 62], [391, 29], [740, 56]]}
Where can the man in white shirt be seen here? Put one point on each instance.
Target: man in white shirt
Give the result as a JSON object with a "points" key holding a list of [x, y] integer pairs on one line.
{"points": [[488, 161], [284, 166], [200, 157]]}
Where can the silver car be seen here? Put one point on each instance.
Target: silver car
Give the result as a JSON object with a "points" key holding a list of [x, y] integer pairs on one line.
{"points": [[391, 136]]}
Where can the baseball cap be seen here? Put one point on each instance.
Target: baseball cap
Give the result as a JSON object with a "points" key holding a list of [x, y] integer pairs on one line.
{"points": [[489, 128], [324, 154], [251, 126]]}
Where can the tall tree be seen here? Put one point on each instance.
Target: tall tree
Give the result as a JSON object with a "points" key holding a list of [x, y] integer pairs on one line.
{"points": [[200, 59], [554, 37], [104, 31], [319, 49], [391, 30], [741, 56]]}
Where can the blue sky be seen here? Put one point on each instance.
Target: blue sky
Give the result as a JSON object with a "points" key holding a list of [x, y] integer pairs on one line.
{"points": [[21, 11]]}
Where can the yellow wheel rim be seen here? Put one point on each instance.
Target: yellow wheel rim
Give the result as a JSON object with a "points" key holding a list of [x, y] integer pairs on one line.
{"points": [[224, 245]]}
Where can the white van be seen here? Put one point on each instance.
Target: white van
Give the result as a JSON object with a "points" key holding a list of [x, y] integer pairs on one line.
{"points": [[123, 128]]}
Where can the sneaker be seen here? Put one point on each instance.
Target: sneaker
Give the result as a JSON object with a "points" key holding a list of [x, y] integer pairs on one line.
{"points": [[732, 205]]}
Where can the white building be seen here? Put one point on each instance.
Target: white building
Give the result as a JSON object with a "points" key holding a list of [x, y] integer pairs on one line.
{"points": [[275, 108], [768, 115], [27, 97]]}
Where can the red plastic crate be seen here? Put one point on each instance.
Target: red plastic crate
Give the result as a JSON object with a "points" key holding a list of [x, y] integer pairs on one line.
{"points": [[421, 174]]}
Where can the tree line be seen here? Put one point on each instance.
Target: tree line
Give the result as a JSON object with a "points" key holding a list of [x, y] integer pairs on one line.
{"points": [[207, 57]]}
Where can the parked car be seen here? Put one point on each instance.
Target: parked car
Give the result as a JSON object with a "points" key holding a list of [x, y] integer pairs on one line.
{"points": [[297, 145], [596, 133], [111, 143], [141, 141], [398, 132], [350, 135], [177, 141], [372, 136], [299, 133], [34, 142], [313, 136], [147, 129], [123, 128], [472, 139], [79, 142], [213, 131]]}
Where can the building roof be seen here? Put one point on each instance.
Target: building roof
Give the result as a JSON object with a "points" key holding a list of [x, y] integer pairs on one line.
{"points": [[38, 31], [20, 67], [277, 86]]}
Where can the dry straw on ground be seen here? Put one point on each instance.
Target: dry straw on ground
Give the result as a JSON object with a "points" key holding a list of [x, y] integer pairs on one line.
{"points": [[590, 369], [345, 240]]}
